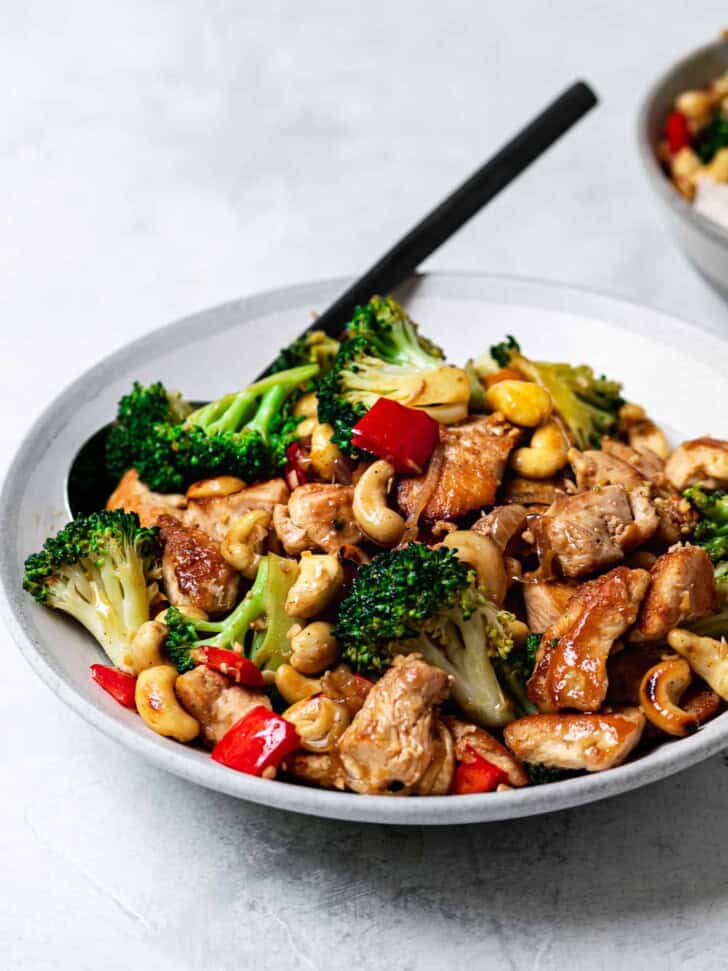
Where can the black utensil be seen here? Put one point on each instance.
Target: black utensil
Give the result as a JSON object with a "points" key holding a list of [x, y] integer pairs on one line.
{"points": [[89, 485]]}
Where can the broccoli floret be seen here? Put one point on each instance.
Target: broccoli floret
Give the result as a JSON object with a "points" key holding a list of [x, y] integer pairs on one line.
{"points": [[588, 404], [259, 623], [514, 670], [384, 356], [713, 137], [98, 569], [137, 412], [711, 531], [423, 600], [540, 775], [314, 347], [244, 434]]}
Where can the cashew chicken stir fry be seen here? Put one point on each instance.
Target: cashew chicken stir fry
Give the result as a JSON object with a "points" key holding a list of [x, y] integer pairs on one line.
{"points": [[377, 572]]}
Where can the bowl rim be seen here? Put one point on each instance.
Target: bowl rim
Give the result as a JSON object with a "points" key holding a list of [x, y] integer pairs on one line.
{"points": [[196, 766], [653, 170]]}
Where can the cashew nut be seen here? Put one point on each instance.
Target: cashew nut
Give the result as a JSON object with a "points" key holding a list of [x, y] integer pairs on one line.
{"points": [[314, 648], [485, 557], [325, 454], [243, 544], [660, 692], [319, 721], [293, 686], [223, 485], [707, 656], [157, 704], [546, 454], [521, 402], [380, 523], [319, 577], [146, 646]]}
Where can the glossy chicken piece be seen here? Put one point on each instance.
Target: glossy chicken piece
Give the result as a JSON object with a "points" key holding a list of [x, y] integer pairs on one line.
{"points": [[702, 460], [474, 456], [571, 664], [320, 516], [591, 742], [132, 495], [393, 739], [467, 735], [216, 703], [682, 589], [546, 602], [194, 571], [217, 514], [591, 530]]}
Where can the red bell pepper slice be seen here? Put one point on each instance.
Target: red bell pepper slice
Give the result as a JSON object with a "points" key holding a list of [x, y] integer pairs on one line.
{"points": [[231, 664], [476, 774], [120, 685], [406, 437], [677, 132], [259, 740], [295, 474]]}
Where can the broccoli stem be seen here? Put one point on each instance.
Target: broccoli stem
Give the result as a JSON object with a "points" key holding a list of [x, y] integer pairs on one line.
{"points": [[236, 625]]}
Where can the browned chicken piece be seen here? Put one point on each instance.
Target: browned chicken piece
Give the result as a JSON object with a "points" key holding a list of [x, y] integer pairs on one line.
{"points": [[701, 701], [502, 524], [393, 739], [216, 703], [132, 495], [701, 461], [531, 492], [194, 571], [322, 769], [293, 538], [677, 517], [467, 735], [599, 468], [591, 742], [571, 664], [324, 512], [591, 530], [546, 602], [218, 513], [644, 460], [473, 463], [682, 589]]}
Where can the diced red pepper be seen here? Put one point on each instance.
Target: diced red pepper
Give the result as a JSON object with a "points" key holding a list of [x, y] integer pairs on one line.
{"points": [[677, 132], [259, 740], [295, 474], [120, 685], [476, 774], [230, 663], [406, 437]]}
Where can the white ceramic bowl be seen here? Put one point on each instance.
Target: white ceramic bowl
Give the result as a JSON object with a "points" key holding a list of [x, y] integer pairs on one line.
{"points": [[674, 369], [703, 241]]}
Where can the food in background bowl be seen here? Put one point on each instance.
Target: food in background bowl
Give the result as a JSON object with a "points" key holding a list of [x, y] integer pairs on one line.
{"points": [[694, 148]]}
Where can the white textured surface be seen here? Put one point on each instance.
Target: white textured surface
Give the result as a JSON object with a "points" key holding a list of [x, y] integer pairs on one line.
{"points": [[157, 158]]}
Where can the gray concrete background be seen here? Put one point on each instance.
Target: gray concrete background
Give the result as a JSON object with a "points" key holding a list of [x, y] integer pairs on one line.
{"points": [[156, 158]]}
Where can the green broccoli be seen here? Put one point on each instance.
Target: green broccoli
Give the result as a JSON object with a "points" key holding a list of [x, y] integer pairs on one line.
{"points": [[589, 405], [244, 434], [515, 668], [425, 600], [98, 569], [259, 623], [711, 531], [540, 774], [314, 347], [383, 355], [713, 137]]}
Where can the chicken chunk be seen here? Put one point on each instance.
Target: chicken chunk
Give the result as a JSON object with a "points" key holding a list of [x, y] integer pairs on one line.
{"points": [[702, 460], [393, 739], [217, 514], [216, 703], [546, 602], [322, 769], [474, 456], [132, 495], [467, 735], [682, 589], [591, 530], [323, 512], [571, 664], [591, 742], [599, 468], [194, 571], [648, 463]]}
